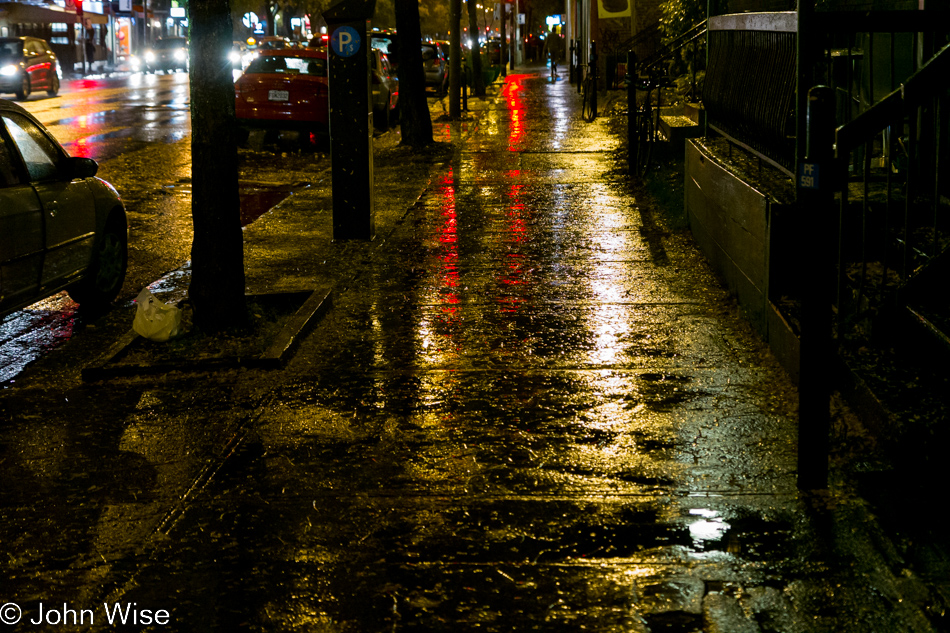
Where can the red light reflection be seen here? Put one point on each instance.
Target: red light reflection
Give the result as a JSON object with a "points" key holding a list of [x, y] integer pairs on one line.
{"points": [[448, 240], [513, 279], [512, 92], [89, 84]]}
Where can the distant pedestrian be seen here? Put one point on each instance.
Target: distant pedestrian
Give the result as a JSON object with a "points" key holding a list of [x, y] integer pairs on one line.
{"points": [[554, 47], [90, 51]]}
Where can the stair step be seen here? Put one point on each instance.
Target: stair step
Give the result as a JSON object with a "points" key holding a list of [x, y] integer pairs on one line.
{"points": [[695, 112], [676, 128]]}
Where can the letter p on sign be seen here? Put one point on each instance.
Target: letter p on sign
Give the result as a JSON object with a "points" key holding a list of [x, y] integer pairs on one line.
{"points": [[345, 41]]}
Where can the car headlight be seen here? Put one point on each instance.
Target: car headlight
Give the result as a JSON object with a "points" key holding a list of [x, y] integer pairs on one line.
{"points": [[180, 55], [9, 70], [149, 56]]}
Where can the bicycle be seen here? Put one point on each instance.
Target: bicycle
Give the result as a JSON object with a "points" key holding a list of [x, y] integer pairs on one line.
{"points": [[589, 94], [647, 124]]}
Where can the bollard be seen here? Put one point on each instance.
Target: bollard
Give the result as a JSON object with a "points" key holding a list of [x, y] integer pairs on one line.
{"points": [[815, 195]]}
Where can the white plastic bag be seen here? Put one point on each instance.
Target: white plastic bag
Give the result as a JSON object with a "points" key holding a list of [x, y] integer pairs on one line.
{"points": [[155, 320]]}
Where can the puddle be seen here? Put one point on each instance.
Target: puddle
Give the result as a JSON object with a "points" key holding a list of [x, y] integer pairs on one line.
{"points": [[257, 198], [30, 333]]}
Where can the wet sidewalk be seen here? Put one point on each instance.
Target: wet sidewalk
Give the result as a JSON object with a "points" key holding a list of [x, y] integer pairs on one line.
{"points": [[531, 407]]}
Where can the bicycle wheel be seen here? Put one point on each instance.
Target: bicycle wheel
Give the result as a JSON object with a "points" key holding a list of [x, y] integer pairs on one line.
{"points": [[587, 107], [644, 141]]}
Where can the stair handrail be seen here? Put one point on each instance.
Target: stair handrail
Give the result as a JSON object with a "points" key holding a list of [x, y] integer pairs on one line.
{"points": [[929, 81], [689, 36], [640, 36]]}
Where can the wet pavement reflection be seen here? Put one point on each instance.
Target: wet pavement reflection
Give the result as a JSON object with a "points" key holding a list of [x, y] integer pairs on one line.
{"points": [[105, 118], [533, 408]]}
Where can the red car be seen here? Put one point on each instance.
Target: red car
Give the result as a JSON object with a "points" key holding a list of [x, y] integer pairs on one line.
{"points": [[285, 89]]}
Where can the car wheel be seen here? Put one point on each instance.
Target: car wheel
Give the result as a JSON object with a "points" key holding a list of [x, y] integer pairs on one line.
{"points": [[53, 83], [24, 91], [104, 278]]}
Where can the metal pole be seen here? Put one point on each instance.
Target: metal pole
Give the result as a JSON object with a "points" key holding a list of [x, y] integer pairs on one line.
{"points": [[632, 147], [455, 60], [580, 73], [570, 63], [815, 193], [593, 80], [503, 46]]}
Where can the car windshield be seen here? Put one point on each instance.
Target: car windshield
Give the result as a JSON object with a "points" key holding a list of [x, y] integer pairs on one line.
{"points": [[164, 45], [385, 44], [289, 65], [11, 48]]}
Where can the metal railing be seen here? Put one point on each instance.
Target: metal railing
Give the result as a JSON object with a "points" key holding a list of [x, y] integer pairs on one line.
{"points": [[892, 153], [749, 89], [645, 43]]}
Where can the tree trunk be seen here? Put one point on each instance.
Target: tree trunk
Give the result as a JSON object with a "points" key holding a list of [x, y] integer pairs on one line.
{"points": [[217, 252], [478, 80], [414, 119]]}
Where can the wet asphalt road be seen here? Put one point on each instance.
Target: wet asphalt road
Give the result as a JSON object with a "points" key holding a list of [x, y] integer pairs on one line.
{"points": [[531, 407]]}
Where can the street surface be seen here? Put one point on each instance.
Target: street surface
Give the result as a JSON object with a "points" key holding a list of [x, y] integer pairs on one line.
{"points": [[531, 406]]}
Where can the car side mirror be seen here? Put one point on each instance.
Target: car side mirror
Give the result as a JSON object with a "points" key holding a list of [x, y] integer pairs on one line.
{"points": [[77, 167]]}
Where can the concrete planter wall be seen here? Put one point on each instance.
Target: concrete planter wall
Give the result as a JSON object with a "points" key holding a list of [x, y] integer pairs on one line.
{"points": [[744, 232]]}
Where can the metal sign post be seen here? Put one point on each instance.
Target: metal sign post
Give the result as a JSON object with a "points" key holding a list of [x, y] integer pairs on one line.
{"points": [[351, 120], [815, 193]]}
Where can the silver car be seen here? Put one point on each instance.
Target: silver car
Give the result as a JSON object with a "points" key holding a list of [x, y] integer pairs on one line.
{"points": [[385, 87], [61, 228], [434, 64]]}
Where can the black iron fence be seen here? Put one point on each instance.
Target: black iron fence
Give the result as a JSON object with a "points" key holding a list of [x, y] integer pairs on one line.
{"points": [[890, 72], [890, 102], [749, 89]]}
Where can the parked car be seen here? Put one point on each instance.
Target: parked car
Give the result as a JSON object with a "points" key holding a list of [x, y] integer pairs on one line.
{"points": [[60, 226], [493, 49], [271, 42], [319, 41], [285, 89], [385, 86], [167, 53], [433, 61], [28, 64], [387, 42]]}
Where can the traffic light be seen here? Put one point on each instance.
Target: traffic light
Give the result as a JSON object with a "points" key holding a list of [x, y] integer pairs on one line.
{"points": [[79, 7]]}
